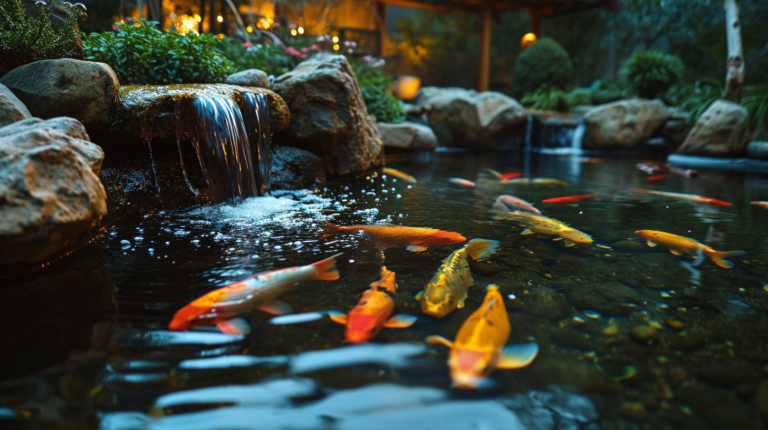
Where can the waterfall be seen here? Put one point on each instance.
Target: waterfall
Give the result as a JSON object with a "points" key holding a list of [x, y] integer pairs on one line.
{"points": [[578, 137], [228, 143], [154, 172]]}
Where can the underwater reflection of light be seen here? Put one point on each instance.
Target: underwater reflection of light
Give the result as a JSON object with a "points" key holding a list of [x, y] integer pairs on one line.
{"points": [[395, 355], [273, 393], [227, 361]]}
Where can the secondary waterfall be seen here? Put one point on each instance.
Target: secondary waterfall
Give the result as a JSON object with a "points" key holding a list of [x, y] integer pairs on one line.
{"points": [[229, 143]]}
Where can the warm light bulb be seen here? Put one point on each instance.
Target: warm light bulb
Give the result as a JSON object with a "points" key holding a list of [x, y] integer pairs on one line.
{"points": [[293, 32], [301, 30], [198, 18], [249, 29], [335, 39], [336, 47], [220, 18]]}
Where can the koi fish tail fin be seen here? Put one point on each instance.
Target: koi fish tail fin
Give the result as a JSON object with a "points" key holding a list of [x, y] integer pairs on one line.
{"points": [[325, 270], [479, 249], [495, 173], [720, 258]]}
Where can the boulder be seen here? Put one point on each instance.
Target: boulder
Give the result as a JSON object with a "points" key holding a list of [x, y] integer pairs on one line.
{"points": [[295, 169], [149, 111], [407, 135], [51, 199], [625, 124], [466, 118], [758, 150], [249, 78], [83, 90], [721, 131], [11, 108], [328, 115]]}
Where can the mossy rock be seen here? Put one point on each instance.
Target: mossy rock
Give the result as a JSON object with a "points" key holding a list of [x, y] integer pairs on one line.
{"points": [[148, 111]]}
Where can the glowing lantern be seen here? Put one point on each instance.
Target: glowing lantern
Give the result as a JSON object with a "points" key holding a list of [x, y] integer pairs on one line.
{"points": [[335, 39], [336, 47], [301, 30], [220, 18], [406, 87], [293, 32], [527, 40], [249, 29]]}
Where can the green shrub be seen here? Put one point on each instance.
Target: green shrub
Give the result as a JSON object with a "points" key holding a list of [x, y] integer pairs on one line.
{"points": [[754, 98], [607, 92], [25, 39], [580, 96], [697, 96], [146, 55], [270, 58], [547, 97], [375, 86], [546, 62], [652, 73]]}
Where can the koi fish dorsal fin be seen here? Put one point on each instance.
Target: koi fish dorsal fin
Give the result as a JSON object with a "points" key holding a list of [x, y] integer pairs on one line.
{"points": [[416, 248], [479, 249], [326, 269], [234, 326], [400, 321], [720, 258], [517, 356], [439, 340], [495, 173], [276, 307], [338, 317]]}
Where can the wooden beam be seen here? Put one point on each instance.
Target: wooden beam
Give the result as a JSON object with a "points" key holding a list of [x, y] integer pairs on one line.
{"points": [[412, 4], [381, 22], [535, 24], [484, 70]]}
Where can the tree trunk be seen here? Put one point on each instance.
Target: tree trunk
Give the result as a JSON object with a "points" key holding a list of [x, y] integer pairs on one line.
{"points": [[734, 79]]}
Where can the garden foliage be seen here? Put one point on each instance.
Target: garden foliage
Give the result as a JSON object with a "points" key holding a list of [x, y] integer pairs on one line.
{"points": [[25, 39], [546, 62], [142, 54], [376, 89], [270, 58], [547, 97], [651, 73], [754, 98]]}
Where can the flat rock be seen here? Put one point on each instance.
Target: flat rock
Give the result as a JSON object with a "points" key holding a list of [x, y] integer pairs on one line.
{"points": [[625, 124], [407, 135], [721, 131], [148, 111], [51, 199], [249, 78], [329, 117], [757, 150], [84, 90], [11, 108], [468, 119], [294, 168]]}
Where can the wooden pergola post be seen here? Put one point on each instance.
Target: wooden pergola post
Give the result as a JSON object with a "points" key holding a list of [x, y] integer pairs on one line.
{"points": [[484, 71], [381, 16], [535, 23]]}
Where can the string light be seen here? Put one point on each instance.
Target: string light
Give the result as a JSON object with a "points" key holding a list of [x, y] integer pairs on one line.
{"points": [[336, 47], [301, 30], [293, 32], [335, 39], [249, 29], [220, 18]]}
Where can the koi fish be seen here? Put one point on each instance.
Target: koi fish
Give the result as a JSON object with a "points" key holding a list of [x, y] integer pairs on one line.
{"points": [[650, 168], [447, 290], [571, 199], [543, 225], [398, 174], [592, 160], [479, 348], [372, 312], [687, 173], [512, 202], [538, 181], [417, 239], [679, 245], [692, 197], [761, 204], [459, 181], [506, 176], [660, 177], [221, 307]]}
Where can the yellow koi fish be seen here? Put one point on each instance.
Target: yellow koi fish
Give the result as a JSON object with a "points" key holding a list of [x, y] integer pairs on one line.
{"points": [[480, 348], [543, 225], [372, 312], [398, 174], [447, 289], [692, 197], [761, 204], [679, 245]]}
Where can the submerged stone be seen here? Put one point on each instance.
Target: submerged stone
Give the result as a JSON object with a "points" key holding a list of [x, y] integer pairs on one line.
{"points": [[606, 298], [294, 168], [644, 334]]}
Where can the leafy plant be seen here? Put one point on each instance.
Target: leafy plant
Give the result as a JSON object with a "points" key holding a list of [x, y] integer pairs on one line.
{"points": [[546, 62], [270, 58], [547, 97], [375, 86], [142, 54], [25, 39], [754, 98], [697, 96], [652, 73], [580, 96]]}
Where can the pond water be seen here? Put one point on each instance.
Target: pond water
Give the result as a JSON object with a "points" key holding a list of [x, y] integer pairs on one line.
{"points": [[629, 335]]}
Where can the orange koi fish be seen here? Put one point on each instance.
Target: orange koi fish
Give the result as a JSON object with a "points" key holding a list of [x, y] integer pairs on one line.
{"points": [[679, 245], [761, 204], [592, 160], [459, 181], [660, 177], [416, 239], [372, 312], [571, 199], [398, 174], [538, 181], [512, 202], [506, 176], [447, 290], [692, 197], [221, 307], [480, 348]]}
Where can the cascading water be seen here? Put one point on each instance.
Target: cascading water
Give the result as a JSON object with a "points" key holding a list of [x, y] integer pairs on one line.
{"points": [[257, 123]]}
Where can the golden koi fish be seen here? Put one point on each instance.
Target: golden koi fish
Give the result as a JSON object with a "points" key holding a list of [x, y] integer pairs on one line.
{"points": [[543, 225], [417, 239], [679, 245], [398, 174], [221, 307], [692, 197], [447, 289], [538, 181], [372, 312], [480, 348], [761, 204]]}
